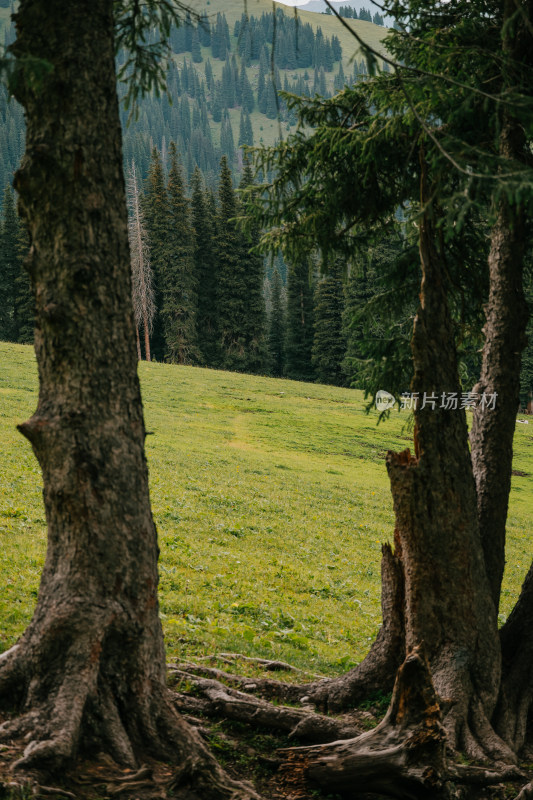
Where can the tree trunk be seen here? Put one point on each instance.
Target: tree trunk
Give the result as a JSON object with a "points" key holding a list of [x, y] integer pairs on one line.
{"points": [[448, 605], [404, 757], [138, 343], [89, 671]]}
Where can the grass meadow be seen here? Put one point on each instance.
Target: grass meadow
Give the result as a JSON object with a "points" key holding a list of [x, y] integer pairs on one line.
{"points": [[271, 501]]}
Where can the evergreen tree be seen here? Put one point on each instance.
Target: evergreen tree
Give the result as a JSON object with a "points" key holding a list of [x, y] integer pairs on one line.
{"points": [[195, 47], [300, 329], [24, 299], [329, 345], [205, 264], [230, 290], [526, 372], [9, 267], [276, 328], [180, 300], [156, 214], [240, 298]]}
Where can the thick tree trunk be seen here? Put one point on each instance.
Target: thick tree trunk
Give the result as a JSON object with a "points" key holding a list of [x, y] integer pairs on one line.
{"points": [[89, 671], [404, 757], [505, 328], [448, 605]]}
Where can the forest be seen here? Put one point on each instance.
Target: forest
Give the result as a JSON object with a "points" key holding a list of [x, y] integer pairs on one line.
{"points": [[378, 238]]}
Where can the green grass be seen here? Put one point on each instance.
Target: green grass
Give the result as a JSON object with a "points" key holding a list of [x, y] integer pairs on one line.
{"points": [[271, 500]]}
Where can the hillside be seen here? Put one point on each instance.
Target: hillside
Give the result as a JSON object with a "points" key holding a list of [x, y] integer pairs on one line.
{"points": [[212, 126], [271, 499]]}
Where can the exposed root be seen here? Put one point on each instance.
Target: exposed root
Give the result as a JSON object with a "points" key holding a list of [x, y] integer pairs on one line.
{"points": [[222, 701], [404, 757], [375, 674], [267, 664], [526, 793], [75, 696]]}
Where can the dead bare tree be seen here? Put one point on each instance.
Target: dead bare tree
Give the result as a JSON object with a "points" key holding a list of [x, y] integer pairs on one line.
{"points": [[141, 273]]}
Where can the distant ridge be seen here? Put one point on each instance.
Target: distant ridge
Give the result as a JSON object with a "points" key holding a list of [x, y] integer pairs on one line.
{"points": [[319, 7]]}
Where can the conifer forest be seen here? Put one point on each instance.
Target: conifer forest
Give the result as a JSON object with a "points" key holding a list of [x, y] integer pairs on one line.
{"points": [[266, 367]]}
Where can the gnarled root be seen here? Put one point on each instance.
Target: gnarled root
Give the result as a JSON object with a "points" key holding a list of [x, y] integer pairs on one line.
{"points": [[222, 701], [375, 674], [404, 757], [86, 684]]}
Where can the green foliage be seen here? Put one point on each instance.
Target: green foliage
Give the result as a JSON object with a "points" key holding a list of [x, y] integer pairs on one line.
{"points": [[276, 328], [329, 345], [157, 216], [142, 38], [300, 328], [179, 280], [9, 267], [205, 266], [240, 278]]}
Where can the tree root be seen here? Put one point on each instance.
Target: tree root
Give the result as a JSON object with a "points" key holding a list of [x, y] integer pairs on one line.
{"points": [[526, 793], [90, 691], [404, 757], [222, 701], [375, 674], [267, 664]]}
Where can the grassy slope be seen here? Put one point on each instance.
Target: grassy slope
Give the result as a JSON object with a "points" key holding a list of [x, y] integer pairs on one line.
{"points": [[271, 500]]}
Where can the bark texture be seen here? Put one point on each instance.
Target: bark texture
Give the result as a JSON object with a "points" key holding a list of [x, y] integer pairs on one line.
{"points": [[404, 757], [507, 315], [437, 535], [89, 671]]}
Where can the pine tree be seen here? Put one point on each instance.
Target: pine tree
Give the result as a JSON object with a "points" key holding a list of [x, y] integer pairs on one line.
{"points": [[300, 328], [252, 266], [195, 47], [9, 267], [276, 328], [156, 214], [329, 345], [180, 299], [240, 298], [205, 264], [230, 280], [24, 296]]}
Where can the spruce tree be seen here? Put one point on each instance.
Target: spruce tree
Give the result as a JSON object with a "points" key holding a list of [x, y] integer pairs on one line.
{"points": [[240, 298], [276, 328], [205, 265], [156, 214], [329, 345], [24, 298], [180, 299], [227, 142], [300, 328], [9, 267], [252, 266], [230, 280]]}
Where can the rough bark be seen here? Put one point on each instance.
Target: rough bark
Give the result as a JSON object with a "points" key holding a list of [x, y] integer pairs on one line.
{"points": [[505, 328], [513, 715], [403, 757], [89, 671], [437, 535]]}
